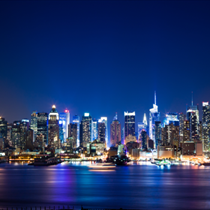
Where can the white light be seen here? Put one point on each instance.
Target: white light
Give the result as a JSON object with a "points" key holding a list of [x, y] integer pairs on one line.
{"points": [[129, 113], [87, 114]]}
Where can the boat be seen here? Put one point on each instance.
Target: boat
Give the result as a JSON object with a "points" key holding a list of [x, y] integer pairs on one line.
{"points": [[102, 166], [46, 161], [163, 163]]}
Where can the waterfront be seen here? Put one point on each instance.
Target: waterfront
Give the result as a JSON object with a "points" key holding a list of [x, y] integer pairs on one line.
{"points": [[135, 186]]}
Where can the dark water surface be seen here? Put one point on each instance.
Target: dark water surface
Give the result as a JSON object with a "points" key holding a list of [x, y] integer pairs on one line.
{"points": [[135, 186]]}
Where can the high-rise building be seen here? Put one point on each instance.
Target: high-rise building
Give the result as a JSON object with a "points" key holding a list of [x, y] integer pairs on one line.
{"points": [[141, 126], [15, 136], [9, 133], [33, 125], [3, 130], [72, 136], [64, 119], [104, 119], [86, 127], [171, 117], [76, 120], [94, 133], [143, 139], [186, 133], [154, 115], [157, 133], [129, 123], [42, 126], [115, 134], [181, 127], [53, 129], [101, 131], [206, 126], [24, 126]]}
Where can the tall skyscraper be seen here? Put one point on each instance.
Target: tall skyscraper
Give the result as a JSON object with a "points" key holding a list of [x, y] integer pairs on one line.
{"points": [[171, 117], [94, 134], [154, 115], [42, 126], [3, 130], [115, 134], [33, 125], [53, 128], [76, 120], [104, 119], [129, 123], [158, 129], [24, 126], [15, 136], [64, 119], [86, 129], [186, 133], [206, 126], [72, 136], [102, 131], [181, 127], [141, 127]]}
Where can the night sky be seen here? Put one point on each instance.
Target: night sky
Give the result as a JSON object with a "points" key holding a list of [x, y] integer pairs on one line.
{"points": [[103, 57]]}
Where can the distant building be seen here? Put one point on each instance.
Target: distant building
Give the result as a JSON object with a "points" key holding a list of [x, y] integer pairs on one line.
{"points": [[143, 140], [96, 147], [73, 134], [15, 136], [101, 131], [64, 119], [104, 120], [76, 120], [188, 148], [115, 132], [94, 133], [186, 133], [3, 129], [42, 126], [171, 117], [158, 138], [85, 129], [129, 123], [33, 125], [181, 127], [206, 126], [24, 126]]}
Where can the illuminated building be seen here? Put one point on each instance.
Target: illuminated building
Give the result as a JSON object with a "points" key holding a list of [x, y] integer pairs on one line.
{"points": [[64, 119], [24, 126], [33, 124], [3, 130], [42, 125], [61, 132], [104, 119], [53, 129], [9, 134], [206, 126], [73, 135], [101, 131], [129, 123], [171, 118], [154, 115], [186, 133], [115, 132], [15, 136], [143, 139], [141, 126], [94, 134], [181, 127], [76, 120], [85, 132], [157, 133], [96, 147], [170, 135]]}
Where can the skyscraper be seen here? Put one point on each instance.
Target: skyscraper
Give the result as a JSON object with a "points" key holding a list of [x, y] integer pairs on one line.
{"points": [[129, 123], [94, 133], [154, 115], [15, 136], [33, 125], [206, 126], [64, 119], [76, 120], [42, 126], [181, 127], [3, 129], [86, 129], [186, 133], [24, 126], [171, 117], [141, 126], [104, 119], [157, 133], [53, 129], [101, 131], [115, 134], [72, 136]]}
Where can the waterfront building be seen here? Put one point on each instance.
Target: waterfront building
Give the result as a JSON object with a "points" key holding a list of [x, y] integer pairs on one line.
{"points": [[76, 120], [94, 134], [42, 126], [73, 134], [115, 132], [3, 130], [85, 129], [154, 115], [96, 147], [104, 119], [181, 126], [129, 123], [53, 129], [64, 119], [206, 126], [33, 124], [158, 133], [15, 136], [102, 131]]}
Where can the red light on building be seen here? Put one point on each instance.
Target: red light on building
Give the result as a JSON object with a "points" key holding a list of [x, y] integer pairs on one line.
{"points": [[66, 111]]}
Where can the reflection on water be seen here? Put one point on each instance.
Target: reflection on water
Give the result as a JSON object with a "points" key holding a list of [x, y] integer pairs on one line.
{"points": [[137, 186]]}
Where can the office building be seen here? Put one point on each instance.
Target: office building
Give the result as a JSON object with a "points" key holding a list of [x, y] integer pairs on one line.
{"points": [[143, 139], [53, 129], [158, 139], [171, 117], [141, 126], [15, 136], [85, 129], [186, 133], [76, 120], [102, 131], [42, 126], [24, 126], [206, 126], [33, 125], [94, 134], [3, 130], [104, 120], [64, 119], [181, 126], [72, 136], [129, 123], [115, 132]]}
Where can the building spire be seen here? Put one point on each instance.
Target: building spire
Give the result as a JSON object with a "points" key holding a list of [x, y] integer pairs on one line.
{"points": [[155, 97], [192, 98], [145, 119]]}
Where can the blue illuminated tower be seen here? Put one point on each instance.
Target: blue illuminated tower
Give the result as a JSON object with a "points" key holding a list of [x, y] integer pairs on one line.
{"points": [[76, 120]]}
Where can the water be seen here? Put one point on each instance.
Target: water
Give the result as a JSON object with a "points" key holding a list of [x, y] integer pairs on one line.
{"points": [[135, 186]]}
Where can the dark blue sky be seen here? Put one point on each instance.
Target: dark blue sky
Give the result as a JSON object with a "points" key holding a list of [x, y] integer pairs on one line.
{"points": [[103, 57]]}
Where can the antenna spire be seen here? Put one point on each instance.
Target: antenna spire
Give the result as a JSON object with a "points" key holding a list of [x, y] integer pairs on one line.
{"points": [[155, 97]]}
